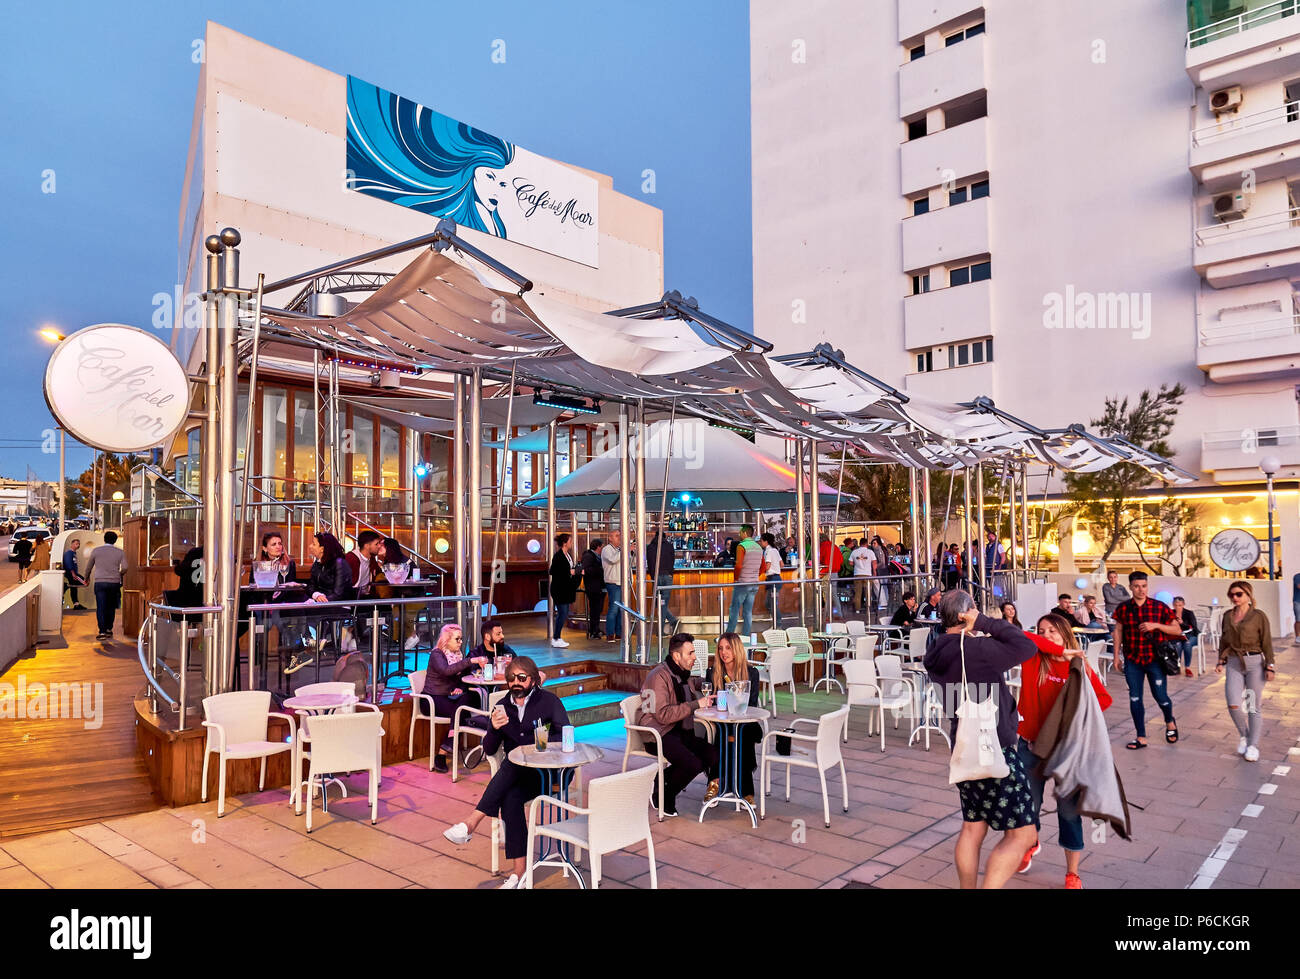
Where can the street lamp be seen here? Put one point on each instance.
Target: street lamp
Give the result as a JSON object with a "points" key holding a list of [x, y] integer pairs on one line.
{"points": [[1269, 465], [54, 336]]}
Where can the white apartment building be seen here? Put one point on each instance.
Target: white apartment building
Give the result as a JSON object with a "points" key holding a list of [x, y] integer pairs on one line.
{"points": [[1047, 203]]}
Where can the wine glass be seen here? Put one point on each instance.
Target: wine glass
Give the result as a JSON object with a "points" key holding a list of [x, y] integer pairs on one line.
{"points": [[706, 688]]}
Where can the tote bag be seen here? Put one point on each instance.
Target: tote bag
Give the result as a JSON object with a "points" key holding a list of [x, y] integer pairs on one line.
{"points": [[976, 752]]}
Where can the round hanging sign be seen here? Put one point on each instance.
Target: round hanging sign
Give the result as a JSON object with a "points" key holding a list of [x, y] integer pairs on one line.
{"points": [[1234, 549], [117, 388]]}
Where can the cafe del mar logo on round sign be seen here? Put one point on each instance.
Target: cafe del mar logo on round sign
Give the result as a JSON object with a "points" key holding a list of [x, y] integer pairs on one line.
{"points": [[117, 388], [1234, 549]]}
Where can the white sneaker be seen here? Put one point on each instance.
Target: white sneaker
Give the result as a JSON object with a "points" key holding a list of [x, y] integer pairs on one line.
{"points": [[1252, 753], [458, 834], [1241, 746], [512, 883], [560, 643]]}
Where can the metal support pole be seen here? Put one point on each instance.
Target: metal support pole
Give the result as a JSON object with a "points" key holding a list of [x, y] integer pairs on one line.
{"points": [[1024, 516], [979, 537], [624, 528], [208, 467], [550, 520], [499, 474], [248, 451], [227, 399], [458, 492], [476, 498], [1272, 567], [1011, 520], [63, 484], [642, 536], [967, 555], [815, 490], [800, 529], [913, 511], [336, 467], [315, 413], [926, 522]]}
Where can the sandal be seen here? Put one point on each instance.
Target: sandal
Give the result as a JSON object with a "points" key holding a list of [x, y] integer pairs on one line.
{"points": [[1135, 745], [1171, 735]]}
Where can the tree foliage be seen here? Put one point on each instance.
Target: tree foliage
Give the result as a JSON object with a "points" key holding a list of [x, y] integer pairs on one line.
{"points": [[1099, 497]]}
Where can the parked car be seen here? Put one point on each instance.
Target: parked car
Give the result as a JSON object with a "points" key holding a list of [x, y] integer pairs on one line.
{"points": [[35, 534]]}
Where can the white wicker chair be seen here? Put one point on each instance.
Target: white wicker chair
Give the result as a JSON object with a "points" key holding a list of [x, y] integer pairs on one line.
{"points": [[416, 680], [237, 724], [345, 743], [616, 817], [820, 751], [867, 690]]}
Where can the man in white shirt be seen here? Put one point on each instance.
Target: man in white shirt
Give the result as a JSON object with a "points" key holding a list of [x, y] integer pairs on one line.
{"points": [[771, 571], [611, 563], [864, 565]]}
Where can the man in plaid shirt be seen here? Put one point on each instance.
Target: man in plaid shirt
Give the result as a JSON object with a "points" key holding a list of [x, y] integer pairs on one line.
{"points": [[1141, 624]]}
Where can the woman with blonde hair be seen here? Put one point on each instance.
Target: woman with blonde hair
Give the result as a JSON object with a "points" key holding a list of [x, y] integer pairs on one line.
{"points": [[447, 664], [732, 666], [1246, 651], [1042, 678]]}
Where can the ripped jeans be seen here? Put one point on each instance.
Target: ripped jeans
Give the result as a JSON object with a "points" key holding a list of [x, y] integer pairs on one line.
{"points": [[1155, 677], [1249, 701]]}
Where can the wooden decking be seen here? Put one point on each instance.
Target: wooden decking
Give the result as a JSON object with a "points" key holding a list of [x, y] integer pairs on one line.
{"points": [[57, 773]]}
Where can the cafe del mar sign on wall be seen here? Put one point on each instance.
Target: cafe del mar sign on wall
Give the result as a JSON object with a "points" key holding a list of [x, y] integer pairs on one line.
{"points": [[117, 388], [1234, 550]]}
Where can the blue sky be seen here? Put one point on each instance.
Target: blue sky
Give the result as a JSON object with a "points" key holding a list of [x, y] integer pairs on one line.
{"points": [[103, 96]]}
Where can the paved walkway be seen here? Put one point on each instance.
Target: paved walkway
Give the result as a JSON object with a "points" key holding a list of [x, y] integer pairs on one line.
{"points": [[1199, 798]]}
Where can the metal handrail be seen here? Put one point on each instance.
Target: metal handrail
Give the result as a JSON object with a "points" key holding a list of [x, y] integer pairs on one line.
{"points": [[1241, 22], [1257, 225], [630, 611], [151, 468], [1262, 329], [1287, 112], [354, 603]]}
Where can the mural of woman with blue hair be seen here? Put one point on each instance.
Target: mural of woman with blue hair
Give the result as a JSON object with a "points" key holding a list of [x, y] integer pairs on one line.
{"points": [[408, 154]]}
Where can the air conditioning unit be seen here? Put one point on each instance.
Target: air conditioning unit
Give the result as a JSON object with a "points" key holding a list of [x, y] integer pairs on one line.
{"points": [[1225, 100], [1231, 207]]}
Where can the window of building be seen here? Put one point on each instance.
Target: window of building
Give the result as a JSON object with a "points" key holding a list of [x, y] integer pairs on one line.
{"points": [[390, 459], [917, 52], [920, 284], [976, 108], [966, 274], [916, 128], [925, 362], [962, 35], [921, 205], [969, 191], [973, 352]]}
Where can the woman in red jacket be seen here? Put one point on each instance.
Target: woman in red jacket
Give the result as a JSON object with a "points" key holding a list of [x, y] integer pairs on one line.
{"points": [[1042, 678]]}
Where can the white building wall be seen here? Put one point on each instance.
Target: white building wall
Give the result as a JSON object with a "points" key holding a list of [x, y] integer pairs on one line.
{"points": [[1086, 144]]}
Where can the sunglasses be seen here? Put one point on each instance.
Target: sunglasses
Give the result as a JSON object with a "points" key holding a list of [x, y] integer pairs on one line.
{"points": [[519, 676], [1236, 594]]}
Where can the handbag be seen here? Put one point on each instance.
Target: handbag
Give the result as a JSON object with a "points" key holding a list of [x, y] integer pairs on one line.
{"points": [[1167, 657], [976, 753], [783, 744]]}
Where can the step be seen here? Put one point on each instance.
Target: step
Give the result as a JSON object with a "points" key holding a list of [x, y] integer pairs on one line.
{"points": [[593, 708], [576, 683]]}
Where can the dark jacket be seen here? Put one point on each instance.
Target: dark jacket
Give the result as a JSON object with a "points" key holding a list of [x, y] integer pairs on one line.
{"points": [[353, 558], [443, 677], [988, 657], [501, 650], [564, 583], [70, 566], [903, 616], [189, 569], [1189, 623], [593, 575], [660, 557], [519, 730], [334, 581]]}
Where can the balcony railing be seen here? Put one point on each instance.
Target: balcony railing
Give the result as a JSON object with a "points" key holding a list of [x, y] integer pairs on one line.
{"points": [[1250, 439], [1266, 329], [1244, 21], [1277, 116], [1219, 231]]}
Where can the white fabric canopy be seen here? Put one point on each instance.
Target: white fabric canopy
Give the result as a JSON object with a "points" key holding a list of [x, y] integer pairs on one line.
{"points": [[720, 468]]}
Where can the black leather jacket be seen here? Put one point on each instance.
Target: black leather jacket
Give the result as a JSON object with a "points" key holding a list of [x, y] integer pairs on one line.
{"points": [[334, 581]]}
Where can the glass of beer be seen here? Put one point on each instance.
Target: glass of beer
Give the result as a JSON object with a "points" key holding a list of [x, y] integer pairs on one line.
{"points": [[540, 734]]}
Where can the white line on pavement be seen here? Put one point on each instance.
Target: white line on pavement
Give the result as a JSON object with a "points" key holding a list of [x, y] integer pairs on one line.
{"points": [[1268, 788], [1252, 810], [1209, 871]]}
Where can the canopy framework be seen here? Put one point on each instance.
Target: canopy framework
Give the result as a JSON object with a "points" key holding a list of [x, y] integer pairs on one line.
{"points": [[455, 309]]}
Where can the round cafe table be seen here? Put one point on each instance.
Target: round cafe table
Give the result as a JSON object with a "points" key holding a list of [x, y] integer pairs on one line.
{"points": [[556, 768], [729, 756], [311, 704], [482, 686]]}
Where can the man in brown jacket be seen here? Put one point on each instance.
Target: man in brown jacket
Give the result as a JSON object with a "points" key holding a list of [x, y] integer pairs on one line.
{"points": [[668, 704]]}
